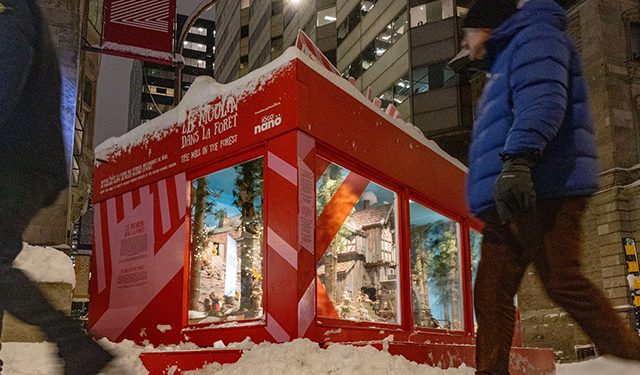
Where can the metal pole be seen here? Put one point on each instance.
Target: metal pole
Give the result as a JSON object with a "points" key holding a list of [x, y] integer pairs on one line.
{"points": [[193, 17]]}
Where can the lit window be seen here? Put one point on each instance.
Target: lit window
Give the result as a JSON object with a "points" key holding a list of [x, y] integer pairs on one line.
{"points": [[381, 44], [427, 12], [359, 270], [195, 46], [244, 62], [326, 16], [157, 90], [433, 76], [435, 270], [367, 5], [276, 43], [196, 63], [226, 249], [397, 93], [198, 31]]}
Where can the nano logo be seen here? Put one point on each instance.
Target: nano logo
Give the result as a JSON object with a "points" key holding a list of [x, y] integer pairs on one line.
{"points": [[268, 122]]}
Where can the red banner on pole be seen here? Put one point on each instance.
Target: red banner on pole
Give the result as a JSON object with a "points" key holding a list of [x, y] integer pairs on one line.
{"points": [[139, 29]]}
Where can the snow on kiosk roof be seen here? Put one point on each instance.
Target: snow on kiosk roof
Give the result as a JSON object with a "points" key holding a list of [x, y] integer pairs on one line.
{"points": [[212, 220], [284, 85]]}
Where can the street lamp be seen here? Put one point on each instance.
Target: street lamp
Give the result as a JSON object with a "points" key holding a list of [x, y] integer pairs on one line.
{"points": [[188, 24]]}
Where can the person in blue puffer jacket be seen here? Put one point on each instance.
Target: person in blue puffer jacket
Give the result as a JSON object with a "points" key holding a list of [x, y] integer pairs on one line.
{"points": [[532, 166]]}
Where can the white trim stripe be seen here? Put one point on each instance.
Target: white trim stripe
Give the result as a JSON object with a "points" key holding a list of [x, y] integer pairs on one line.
{"points": [[281, 246], [165, 214], [181, 193], [306, 309], [284, 169], [276, 330]]}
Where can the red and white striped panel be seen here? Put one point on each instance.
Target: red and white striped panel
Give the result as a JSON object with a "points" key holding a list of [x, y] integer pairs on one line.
{"points": [[141, 233], [306, 232], [145, 14]]}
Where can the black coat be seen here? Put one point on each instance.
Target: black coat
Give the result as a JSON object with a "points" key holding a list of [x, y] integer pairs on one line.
{"points": [[31, 143]]}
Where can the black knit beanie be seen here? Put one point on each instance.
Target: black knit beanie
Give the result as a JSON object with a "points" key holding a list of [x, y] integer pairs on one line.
{"points": [[489, 14]]}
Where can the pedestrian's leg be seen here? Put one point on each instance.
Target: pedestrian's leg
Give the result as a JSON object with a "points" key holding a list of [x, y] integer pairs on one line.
{"points": [[557, 260], [499, 274], [22, 299]]}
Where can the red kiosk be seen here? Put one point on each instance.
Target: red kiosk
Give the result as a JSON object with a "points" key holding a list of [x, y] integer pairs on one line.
{"points": [[285, 205]]}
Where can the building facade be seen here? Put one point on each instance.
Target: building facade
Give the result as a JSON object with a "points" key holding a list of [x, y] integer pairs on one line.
{"points": [[399, 49], [253, 33], [152, 85], [73, 25]]}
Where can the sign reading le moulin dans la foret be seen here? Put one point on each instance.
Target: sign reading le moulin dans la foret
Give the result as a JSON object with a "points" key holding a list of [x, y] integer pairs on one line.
{"points": [[233, 120], [208, 129], [212, 124]]}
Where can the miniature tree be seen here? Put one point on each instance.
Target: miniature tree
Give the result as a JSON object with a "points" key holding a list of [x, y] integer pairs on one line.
{"points": [[421, 258], [249, 180], [443, 270], [199, 200], [202, 205]]}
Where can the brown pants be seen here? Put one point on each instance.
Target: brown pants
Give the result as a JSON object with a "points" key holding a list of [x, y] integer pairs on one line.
{"points": [[550, 238]]}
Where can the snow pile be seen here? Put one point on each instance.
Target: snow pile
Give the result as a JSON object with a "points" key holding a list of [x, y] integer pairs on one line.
{"points": [[29, 358], [24, 358], [203, 90], [299, 357], [45, 265], [302, 356], [600, 366]]}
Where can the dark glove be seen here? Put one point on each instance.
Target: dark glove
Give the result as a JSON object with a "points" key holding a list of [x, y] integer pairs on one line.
{"points": [[513, 190]]}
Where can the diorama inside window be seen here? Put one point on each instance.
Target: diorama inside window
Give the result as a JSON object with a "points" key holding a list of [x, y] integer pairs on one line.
{"points": [[225, 279], [475, 240], [356, 233], [435, 270]]}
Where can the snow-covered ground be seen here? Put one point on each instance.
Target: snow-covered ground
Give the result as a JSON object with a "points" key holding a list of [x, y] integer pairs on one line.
{"points": [[298, 357]]}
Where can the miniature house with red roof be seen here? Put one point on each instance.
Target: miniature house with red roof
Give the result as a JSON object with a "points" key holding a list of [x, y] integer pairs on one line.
{"points": [[285, 205]]}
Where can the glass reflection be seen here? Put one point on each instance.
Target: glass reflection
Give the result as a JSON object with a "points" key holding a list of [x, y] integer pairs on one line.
{"points": [[359, 266], [225, 278], [435, 270]]}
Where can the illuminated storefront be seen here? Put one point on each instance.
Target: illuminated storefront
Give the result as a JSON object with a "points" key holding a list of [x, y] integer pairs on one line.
{"points": [[280, 206]]}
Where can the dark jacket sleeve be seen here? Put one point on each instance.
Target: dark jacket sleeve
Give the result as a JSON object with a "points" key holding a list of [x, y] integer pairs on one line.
{"points": [[16, 57], [539, 80]]}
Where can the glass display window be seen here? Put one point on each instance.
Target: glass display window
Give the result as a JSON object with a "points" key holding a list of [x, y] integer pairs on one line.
{"points": [[359, 267], [226, 247], [437, 300], [475, 240]]}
